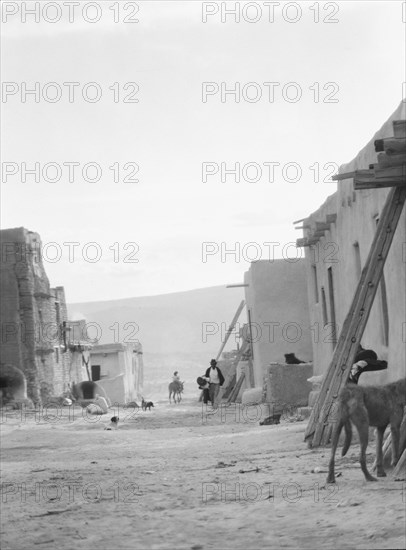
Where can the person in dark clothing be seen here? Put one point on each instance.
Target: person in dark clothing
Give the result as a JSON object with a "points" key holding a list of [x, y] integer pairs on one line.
{"points": [[366, 360], [204, 385], [216, 380]]}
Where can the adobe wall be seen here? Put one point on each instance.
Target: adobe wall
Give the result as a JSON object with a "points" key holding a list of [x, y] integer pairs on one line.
{"points": [[277, 301], [121, 363], [78, 346], [115, 389], [25, 308], [31, 319], [287, 385], [356, 223]]}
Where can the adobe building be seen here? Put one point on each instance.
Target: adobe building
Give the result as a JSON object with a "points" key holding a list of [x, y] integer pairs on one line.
{"points": [[279, 323], [118, 368], [337, 239], [278, 312], [37, 340]]}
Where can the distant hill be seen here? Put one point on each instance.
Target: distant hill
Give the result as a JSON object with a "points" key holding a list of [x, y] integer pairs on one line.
{"points": [[169, 326]]}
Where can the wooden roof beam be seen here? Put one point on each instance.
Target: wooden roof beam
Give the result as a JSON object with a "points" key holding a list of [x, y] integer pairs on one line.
{"points": [[385, 160], [399, 128], [322, 226], [391, 146], [345, 175], [360, 184]]}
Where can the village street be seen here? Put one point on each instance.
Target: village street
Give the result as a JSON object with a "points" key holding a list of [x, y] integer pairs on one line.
{"points": [[178, 478]]}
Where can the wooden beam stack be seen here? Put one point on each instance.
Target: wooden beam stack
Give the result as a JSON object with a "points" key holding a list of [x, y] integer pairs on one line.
{"points": [[316, 231], [390, 170]]}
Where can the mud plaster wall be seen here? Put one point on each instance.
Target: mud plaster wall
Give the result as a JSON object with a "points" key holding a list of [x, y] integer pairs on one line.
{"points": [[287, 384], [29, 324], [121, 370], [356, 223], [25, 296], [74, 357], [277, 300], [115, 389]]}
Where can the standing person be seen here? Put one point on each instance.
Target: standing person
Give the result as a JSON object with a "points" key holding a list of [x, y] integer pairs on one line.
{"points": [[216, 379]]}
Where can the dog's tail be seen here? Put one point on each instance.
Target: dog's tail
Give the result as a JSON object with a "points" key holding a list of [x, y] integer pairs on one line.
{"points": [[348, 437]]}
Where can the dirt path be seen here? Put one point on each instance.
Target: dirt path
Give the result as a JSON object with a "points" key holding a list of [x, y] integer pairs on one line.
{"points": [[177, 478]]}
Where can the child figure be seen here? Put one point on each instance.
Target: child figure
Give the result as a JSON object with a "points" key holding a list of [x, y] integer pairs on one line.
{"points": [[176, 377]]}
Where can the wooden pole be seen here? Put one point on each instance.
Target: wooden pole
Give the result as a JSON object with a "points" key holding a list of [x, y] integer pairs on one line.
{"points": [[231, 328], [400, 466], [236, 390], [231, 375]]}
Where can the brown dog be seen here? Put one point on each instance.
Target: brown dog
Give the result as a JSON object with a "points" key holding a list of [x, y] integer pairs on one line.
{"points": [[369, 406]]}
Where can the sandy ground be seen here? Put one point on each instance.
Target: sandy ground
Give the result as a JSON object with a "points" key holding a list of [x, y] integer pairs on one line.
{"points": [[177, 477]]}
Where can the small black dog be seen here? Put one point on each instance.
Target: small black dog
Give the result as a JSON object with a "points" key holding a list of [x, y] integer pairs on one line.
{"points": [[291, 359], [146, 405], [113, 423], [274, 419]]}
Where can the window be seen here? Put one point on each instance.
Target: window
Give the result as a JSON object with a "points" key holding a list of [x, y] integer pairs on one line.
{"points": [[250, 340], [332, 305], [357, 259], [324, 306], [383, 305], [315, 285], [58, 312], [95, 373], [384, 312]]}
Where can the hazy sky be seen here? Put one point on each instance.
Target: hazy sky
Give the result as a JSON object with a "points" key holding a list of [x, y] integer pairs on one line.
{"points": [[317, 91]]}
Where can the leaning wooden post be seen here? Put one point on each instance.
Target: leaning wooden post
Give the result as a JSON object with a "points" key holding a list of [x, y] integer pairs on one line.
{"points": [[321, 420]]}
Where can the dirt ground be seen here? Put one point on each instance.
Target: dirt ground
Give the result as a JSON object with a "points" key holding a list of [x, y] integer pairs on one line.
{"points": [[179, 477]]}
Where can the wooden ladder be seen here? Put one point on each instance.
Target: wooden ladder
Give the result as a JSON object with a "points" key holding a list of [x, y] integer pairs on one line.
{"points": [[321, 421]]}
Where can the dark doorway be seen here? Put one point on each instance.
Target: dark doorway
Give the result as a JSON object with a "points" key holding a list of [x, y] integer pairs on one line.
{"points": [[95, 373]]}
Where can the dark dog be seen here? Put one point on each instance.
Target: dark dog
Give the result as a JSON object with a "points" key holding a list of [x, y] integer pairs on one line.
{"points": [[291, 359], [146, 405], [113, 423], [367, 406], [274, 419]]}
